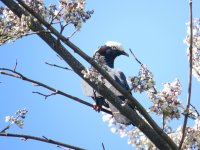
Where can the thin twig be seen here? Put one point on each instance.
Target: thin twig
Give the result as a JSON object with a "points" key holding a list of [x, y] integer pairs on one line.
{"points": [[163, 121], [190, 77], [25, 34], [59, 57], [47, 140], [45, 137], [72, 34], [103, 146], [6, 128], [195, 109], [54, 17], [135, 57], [131, 89], [15, 65], [54, 65], [63, 148], [45, 95]]}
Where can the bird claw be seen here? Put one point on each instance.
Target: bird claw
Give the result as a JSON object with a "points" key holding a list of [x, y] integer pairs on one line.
{"points": [[97, 108]]}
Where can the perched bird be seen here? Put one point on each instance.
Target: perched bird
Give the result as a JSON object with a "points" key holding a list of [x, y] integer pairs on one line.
{"points": [[105, 56]]}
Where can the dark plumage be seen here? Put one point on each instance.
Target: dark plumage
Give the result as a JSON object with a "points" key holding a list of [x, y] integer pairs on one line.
{"points": [[105, 56]]}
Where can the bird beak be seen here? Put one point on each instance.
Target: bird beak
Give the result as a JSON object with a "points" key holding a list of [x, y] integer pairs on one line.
{"points": [[124, 53]]}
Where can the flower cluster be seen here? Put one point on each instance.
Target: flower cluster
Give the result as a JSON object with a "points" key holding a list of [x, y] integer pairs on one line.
{"points": [[195, 47], [135, 137], [144, 81], [166, 101], [192, 136], [93, 75], [18, 119], [38, 6], [68, 12], [11, 26], [72, 11], [115, 126], [138, 140], [192, 139]]}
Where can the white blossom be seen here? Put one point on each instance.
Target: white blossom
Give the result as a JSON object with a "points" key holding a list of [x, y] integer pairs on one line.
{"points": [[195, 46], [7, 118], [12, 27], [18, 119], [166, 101], [70, 12], [144, 81]]}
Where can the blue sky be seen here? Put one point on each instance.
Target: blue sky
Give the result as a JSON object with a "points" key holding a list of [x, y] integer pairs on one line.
{"points": [[154, 30]]}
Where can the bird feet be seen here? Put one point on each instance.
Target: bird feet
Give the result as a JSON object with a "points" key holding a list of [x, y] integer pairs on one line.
{"points": [[97, 107]]}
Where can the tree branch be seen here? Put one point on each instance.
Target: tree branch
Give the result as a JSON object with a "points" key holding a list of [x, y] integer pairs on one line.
{"points": [[136, 57], [6, 128], [54, 65], [22, 35], [103, 146], [55, 91], [45, 95], [195, 109], [190, 77], [44, 139], [16, 63]]}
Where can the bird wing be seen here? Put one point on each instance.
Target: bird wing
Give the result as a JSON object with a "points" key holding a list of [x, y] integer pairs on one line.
{"points": [[117, 75], [88, 90], [120, 78]]}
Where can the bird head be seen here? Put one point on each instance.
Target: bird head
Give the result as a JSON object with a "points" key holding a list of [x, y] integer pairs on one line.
{"points": [[110, 50]]}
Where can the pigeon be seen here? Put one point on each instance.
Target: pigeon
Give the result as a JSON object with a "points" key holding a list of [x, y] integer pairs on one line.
{"points": [[105, 56]]}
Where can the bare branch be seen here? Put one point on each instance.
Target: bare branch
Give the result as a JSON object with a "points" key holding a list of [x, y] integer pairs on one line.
{"points": [[195, 109], [55, 91], [190, 77], [63, 148], [44, 139], [45, 95], [54, 65], [15, 65], [59, 57], [6, 128], [72, 34], [135, 57], [103, 146]]}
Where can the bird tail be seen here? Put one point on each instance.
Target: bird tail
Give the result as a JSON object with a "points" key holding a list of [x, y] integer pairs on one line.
{"points": [[118, 116]]}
